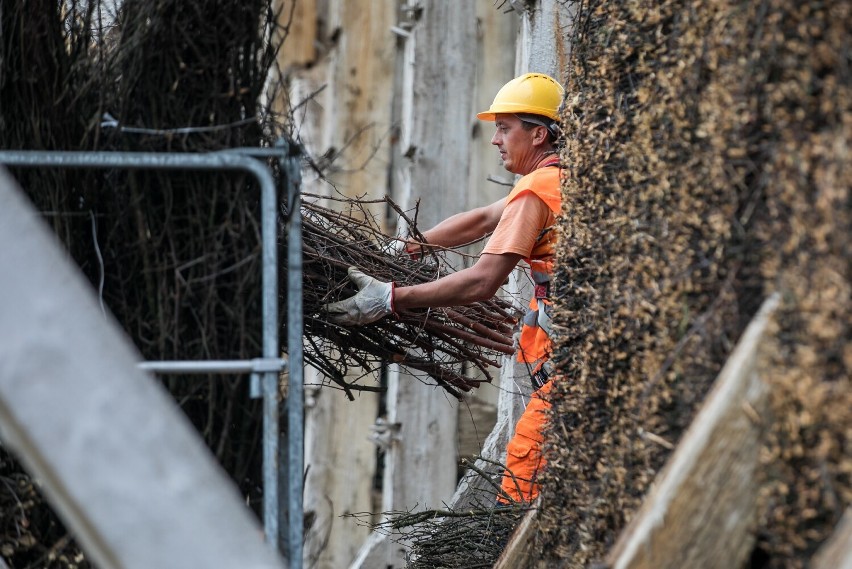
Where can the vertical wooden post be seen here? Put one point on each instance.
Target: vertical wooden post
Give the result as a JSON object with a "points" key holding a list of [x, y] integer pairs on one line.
{"points": [[437, 76], [836, 552], [347, 63], [702, 508]]}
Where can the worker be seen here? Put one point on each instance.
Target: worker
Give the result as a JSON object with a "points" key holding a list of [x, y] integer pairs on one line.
{"points": [[525, 114]]}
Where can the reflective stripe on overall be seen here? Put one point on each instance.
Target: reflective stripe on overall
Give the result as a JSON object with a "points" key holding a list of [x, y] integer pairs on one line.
{"points": [[535, 351]]}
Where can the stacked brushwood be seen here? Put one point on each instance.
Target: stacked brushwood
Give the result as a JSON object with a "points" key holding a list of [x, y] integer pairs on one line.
{"points": [[470, 537], [437, 343], [176, 256], [708, 146], [173, 256]]}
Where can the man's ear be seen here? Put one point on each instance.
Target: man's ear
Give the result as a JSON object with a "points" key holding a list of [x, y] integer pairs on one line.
{"points": [[540, 135]]}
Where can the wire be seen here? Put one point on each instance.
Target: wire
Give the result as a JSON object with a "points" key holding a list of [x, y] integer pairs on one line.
{"points": [[111, 122], [100, 263]]}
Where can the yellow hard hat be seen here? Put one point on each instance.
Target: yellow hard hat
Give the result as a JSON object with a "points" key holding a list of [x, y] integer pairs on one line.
{"points": [[534, 93]]}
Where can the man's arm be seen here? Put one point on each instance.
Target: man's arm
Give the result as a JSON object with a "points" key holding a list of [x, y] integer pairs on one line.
{"points": [[476, 283], [462, 227], [376, 299]]}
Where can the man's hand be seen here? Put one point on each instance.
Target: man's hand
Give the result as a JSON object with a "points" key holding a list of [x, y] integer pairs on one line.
{"points": [[410, 247], [394, 247], [373, 301], [414, 248]]}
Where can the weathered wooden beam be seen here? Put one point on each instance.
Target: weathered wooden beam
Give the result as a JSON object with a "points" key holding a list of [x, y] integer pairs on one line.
{"points": [[836, 552], [350, 119], [703, 505], [429, 161], [518, 549], [114, 455], [702, 509]]}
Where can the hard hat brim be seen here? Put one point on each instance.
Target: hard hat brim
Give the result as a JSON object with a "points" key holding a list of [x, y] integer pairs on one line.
{"points": [[510, 109]]}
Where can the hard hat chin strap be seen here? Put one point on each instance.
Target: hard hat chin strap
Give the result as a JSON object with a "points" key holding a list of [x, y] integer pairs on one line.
{"points": [[551, 125]]}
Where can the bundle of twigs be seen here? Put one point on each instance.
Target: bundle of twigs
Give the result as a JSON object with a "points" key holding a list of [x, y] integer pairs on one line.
{"points": [[436, 342], [470, 536]]}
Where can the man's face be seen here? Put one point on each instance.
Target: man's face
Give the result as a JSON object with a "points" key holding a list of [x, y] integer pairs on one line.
{"points": [[515, 144]]}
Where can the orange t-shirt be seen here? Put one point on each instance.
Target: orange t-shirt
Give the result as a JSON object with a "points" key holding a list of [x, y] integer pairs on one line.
{"points": [[517, 232], [520, 226], [521, 230]]}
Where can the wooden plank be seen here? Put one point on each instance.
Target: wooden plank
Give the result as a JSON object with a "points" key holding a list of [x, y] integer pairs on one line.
{"points": [[350, 119], [518, 550], [702, 509], [299, 19], [436, 75], [439, 76], [836, 552], [341, 463], [115, 456]]}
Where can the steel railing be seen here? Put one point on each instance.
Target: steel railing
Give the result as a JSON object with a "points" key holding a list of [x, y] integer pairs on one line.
{"points": [[264, 371]]}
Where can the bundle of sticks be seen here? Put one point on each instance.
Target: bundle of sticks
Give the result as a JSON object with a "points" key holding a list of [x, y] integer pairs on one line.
{"points": [[469, 533], [447, 344]]}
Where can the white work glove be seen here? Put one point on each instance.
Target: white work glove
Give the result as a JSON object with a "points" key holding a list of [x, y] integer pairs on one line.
{"points": [[394, 247], [398, 247], [373, 301]]}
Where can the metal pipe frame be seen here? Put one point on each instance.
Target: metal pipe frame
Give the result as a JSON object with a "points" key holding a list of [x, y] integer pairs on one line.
{"points": [[245, 160], [290, 165], [187, 367]]}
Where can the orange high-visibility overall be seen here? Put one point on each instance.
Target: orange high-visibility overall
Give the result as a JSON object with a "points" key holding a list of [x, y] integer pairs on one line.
{"points": [[524, 458]]}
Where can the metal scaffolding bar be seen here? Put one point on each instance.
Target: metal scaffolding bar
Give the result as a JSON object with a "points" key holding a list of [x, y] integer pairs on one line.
{"points": [[239, 160], [257, 365], [115, 457], [289, 164]]}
